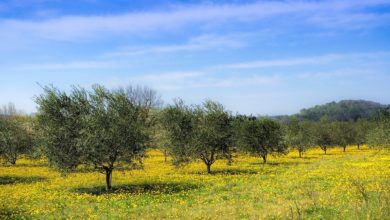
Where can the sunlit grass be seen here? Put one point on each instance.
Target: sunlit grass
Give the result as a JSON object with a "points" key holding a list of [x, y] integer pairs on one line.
{"points": [[350, 185]]}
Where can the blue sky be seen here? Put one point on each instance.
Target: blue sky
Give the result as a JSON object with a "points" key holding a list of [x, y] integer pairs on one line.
{"points": [[255, 57]]}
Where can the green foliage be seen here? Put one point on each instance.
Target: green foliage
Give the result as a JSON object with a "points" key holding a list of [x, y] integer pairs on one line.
{"points": [[345, 133], [99, 128], [213, 134], [379, 136], [346, 110], [324, 134], [199, 132], [15, 139], [261, 137], [299, 135], [61, 122], [362, 129], [177, 122]]}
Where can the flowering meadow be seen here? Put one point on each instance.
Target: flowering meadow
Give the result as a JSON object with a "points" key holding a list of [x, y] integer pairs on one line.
{"points": [[340, 185]]}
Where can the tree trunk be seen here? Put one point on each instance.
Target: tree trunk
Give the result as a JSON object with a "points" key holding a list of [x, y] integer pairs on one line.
{"points": [[325, 149], [344, 147], [12, 160], [108, 178], [300, 154], [229, 160], [208, 168], [358, 146], [165, 155], [264, 159]]}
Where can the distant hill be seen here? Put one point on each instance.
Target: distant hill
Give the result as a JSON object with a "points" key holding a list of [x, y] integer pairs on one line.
{"points": [[345, 110]]}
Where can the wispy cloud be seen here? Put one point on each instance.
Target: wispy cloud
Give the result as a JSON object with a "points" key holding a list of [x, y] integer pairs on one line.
{"points": [[68, 65], [176, 81], [331, 13], [112, 63], [199, 43], [280, 62], [338, 73], [320, 59]]}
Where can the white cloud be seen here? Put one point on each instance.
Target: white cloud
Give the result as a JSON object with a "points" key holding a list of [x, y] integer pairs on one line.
{"points": [[331, 13], [68, 65], [195, 80], [203, 42], [345, 72], [321, 59], [280, 62]]}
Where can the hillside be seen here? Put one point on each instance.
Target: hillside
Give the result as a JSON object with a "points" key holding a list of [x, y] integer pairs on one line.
{"points": [[345, 110]]}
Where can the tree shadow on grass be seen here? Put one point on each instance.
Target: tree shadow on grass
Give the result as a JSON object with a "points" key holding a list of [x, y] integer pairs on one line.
{"points": [[7, 180], [286, 163], [304, 157], [140, 188], [7, 213], [320, 212], [38, 164], [226, 172]]}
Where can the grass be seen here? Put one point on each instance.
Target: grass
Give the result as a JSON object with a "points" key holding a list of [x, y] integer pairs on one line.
{"points": [[350, 185]]}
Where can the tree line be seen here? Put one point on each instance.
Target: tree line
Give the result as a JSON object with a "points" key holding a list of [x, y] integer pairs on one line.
{"points": [[103, 130]]}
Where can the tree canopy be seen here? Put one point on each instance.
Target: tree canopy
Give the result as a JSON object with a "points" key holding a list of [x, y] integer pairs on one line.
{"points": [[198, 132], [15, 139], [299, 135], [379, 136], [261, 137], [99, 128]]}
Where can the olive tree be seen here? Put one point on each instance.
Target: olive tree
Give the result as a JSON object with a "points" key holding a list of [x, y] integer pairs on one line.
{"points": [[299, 135], [177, 130], [324, 134], [15, 139], [362, 128], [261, 137], [379, 135], [213, 133], [101, 129], [344, 134], [198, 132]]}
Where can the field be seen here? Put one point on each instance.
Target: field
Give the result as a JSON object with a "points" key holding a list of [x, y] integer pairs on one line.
{"points": [[350, 185]]}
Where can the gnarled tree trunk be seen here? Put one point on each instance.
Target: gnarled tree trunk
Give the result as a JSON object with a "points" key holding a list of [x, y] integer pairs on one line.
{"points": [[208, 168], [108, 178], [209, 161], [264, 158], [324, 149]]}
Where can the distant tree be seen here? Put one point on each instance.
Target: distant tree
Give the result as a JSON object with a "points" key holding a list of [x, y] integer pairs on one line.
{"points": [[98, 128], [14, 139], [202, 132], [299, 135], [362, 128], [345, 110], [160, 139], [8, 110], [379, 136], [144, 97], [345, 134], [324, 134], [177, 130], [213, 136], [262, 137]]}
